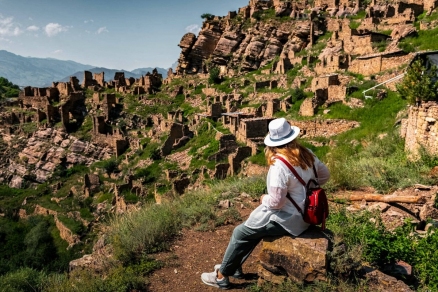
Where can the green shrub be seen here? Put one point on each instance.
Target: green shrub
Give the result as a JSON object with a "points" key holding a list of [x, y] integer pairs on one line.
{"points": [[109, 165], [23, 280], [419, 83], [297, 94], [214, 77]]}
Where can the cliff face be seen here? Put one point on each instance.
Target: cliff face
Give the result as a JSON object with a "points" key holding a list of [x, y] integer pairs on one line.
{"points": [[252, 37]]}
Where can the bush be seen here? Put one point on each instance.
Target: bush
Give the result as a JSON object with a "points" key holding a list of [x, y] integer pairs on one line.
{"points": [[214, 77], [109, 165], [419, 83], [23, 280], [297, 94]]}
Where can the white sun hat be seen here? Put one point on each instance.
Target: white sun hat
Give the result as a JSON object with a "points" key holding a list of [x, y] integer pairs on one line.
{"points": [[281, 133]]}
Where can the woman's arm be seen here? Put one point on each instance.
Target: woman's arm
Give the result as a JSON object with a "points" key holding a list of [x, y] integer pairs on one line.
{"points": [[322, 171], [275, 198], [277, 188]]}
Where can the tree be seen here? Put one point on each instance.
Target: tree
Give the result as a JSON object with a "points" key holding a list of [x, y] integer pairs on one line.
{"points": [[207, 16], [419, 83], [214, 77]]}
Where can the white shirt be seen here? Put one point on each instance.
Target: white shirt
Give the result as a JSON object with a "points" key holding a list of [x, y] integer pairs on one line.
{"points": [[276, 206]]}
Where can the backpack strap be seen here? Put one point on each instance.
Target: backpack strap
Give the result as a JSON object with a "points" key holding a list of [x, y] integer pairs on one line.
{"points": [[291, 169], [295, 204]]}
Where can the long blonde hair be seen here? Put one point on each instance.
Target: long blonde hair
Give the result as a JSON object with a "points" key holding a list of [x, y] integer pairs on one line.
{"points": [[296, 154]]}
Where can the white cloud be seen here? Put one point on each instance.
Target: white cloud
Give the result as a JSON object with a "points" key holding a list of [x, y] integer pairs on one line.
{"points": [[33, 28], [87, 21], [53, 29], [8, 27], [5, 40], [57, 52], [193, 28], [102, 30]]}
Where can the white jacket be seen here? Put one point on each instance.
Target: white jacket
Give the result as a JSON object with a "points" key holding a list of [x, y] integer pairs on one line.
{"points": [[276, 207]]}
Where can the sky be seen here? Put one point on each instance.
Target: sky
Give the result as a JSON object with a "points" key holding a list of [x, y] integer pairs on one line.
{"points": [[118, 34]]}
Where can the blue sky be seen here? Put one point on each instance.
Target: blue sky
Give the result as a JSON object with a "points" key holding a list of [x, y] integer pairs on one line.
{"points": [[105, 33]]}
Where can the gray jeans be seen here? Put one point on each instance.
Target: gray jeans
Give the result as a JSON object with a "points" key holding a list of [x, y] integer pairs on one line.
{"points": [[242, 243]]}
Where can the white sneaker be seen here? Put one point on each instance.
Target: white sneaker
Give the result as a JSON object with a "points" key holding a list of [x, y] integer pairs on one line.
{"points": [[212, 280]]}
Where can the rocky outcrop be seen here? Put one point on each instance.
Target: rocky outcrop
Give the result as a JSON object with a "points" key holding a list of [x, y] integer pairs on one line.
{"points": [[48, 150], [232, 44]]}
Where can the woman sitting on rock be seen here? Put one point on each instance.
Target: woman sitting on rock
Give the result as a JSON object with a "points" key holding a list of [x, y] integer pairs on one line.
{"points": [[276, 216]]}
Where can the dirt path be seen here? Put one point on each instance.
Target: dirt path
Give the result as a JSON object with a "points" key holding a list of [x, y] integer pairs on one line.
{"points": [[194, 253]]}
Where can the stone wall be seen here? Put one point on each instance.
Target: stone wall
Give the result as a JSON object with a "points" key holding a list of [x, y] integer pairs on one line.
{"points": [[324, 128], [236, 159], [420, 129], [376, 63], [177, 132], [306, 108], [99, 78]]}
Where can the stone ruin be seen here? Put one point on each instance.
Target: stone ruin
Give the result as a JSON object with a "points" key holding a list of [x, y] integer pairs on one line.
{"points": [[150, 83], [93, 80], [63, 102], [420, 129]]}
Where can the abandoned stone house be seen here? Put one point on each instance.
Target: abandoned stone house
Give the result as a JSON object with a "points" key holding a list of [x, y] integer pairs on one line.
{"points": [[328, 87], [96, 79], [252, 128], [375, 63], [332, 63]]}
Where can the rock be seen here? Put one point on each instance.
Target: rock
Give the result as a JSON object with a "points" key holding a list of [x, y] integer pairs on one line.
{"points": [[378, 281], [16, 182], [399, 269], [422, 187], [42, 175], [78, 146], [57, 140], [383, 207], [44, 134], [65, 143], [225, 204], [302, 259], [428, 211]]}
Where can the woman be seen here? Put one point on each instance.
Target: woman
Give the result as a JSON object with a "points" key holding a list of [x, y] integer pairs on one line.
{"points": [[276, 216]]}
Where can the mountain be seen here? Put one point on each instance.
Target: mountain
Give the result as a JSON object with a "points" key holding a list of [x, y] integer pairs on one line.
{"points": [[143, 71], [38, 72]]}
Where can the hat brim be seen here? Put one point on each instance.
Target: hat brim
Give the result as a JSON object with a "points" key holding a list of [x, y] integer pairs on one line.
{"points": [[274, 143]]}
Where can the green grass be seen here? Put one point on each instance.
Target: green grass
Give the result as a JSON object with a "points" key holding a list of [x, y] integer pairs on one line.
{"points": [[425, 40]]}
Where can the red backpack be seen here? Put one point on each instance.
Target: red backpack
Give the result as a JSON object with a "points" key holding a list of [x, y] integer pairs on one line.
{"points": [[316, 204]]}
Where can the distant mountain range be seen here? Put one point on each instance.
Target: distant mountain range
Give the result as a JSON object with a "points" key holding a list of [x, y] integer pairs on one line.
{"points": [[41, 72]]}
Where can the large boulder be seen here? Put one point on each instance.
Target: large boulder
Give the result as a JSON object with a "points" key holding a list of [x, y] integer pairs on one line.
{"points": [[302, 259]]}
